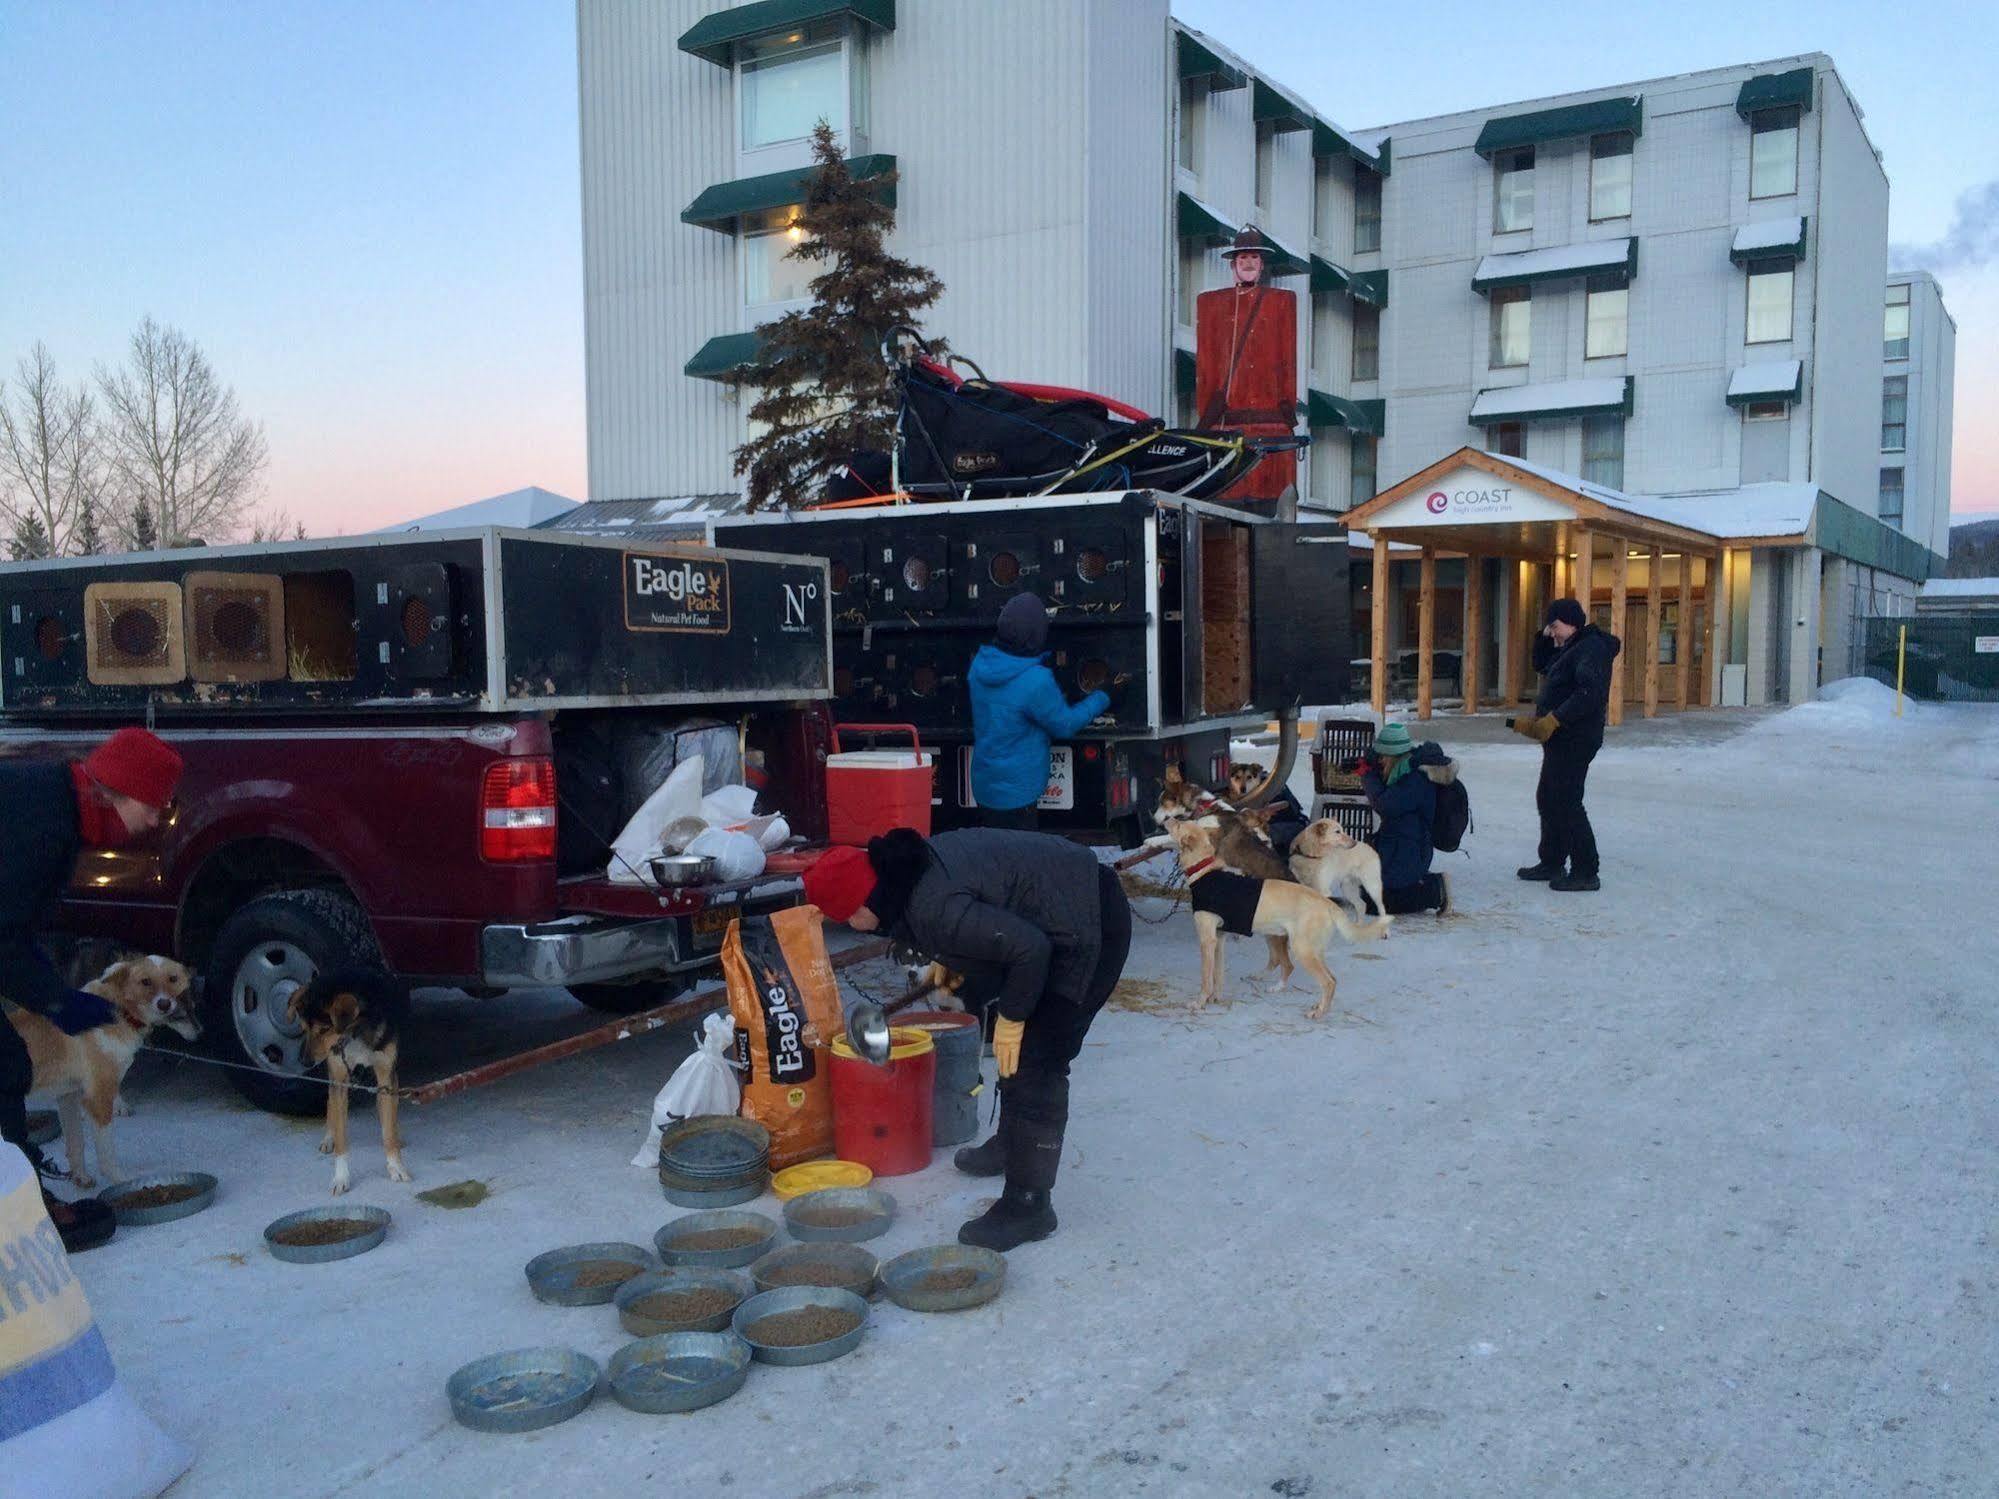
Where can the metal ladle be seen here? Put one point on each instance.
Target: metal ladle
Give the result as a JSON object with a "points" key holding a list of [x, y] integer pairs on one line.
{"points": [[867, 1021]]}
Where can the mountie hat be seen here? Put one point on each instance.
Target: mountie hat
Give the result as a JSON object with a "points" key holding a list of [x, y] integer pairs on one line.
{"points": [[1249, 240], [1393, 739], [1023, 626], [1568, 611], [840, 882], [135, 763]]}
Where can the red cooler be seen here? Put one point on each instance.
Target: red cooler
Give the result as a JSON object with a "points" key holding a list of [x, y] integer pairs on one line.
{"points": [[870, 791]]}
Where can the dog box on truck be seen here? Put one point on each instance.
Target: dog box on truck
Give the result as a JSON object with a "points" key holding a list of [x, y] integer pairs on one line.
{"points": [[413, 751], [1217, 617]]}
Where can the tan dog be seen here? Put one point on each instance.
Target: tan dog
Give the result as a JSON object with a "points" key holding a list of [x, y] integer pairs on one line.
{"points": [[83, 1073], [1330, 860], [1297, 922], [1242, 839], [353, 1018]]}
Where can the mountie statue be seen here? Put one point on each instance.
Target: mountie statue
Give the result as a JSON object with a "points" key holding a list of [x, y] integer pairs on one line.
{"points": [[1246, 363]]}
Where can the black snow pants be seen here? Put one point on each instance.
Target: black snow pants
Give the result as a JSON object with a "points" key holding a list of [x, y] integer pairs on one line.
{"points": [[1567, 839]]}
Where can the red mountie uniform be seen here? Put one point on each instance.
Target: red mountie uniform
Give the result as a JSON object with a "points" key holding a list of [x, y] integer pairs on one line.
{"points": [[1261, 398]]}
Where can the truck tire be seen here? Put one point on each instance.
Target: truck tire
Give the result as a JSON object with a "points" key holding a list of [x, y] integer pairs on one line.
{"points": [[629, 999], [267, 951]]}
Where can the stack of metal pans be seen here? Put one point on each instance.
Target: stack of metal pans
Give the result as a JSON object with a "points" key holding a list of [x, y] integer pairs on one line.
{"points": [[714, 1161]]}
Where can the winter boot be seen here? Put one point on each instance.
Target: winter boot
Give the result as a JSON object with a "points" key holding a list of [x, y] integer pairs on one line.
{"points": [[83, 1224], [1035, 1114], [988, 1159], [1575, 882], [1540, 873]]}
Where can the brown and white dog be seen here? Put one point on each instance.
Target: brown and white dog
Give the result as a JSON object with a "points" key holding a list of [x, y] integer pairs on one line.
{"points": [[1242, 839], [1330, 860], [83, 1073], [353, 1018], [1297, 922]]}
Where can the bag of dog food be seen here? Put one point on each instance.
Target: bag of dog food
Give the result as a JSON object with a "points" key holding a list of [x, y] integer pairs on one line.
{"points": [[787, 1011]]}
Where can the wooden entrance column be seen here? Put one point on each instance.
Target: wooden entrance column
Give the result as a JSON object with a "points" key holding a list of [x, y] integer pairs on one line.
{"points": [[1426, 632], [1683, 632], [1378, 645], [1655, 611], [1620, 572], [1474, 633], [1718, 622]]}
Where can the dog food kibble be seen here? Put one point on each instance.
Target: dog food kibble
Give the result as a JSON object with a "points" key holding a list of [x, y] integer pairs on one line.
{"points": [[696, 1305], [593, 1274], [156, 1197], [317, 1231], [813, 1273], [801, 1328], [833, 1217], [937, 1281], [718, 1238]]}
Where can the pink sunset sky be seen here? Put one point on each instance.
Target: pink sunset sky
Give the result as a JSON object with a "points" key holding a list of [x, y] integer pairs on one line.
{"points": [[367, 214]]}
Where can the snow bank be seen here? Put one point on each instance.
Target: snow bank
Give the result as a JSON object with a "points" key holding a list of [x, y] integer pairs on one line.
{"points": [[1850, 707]]}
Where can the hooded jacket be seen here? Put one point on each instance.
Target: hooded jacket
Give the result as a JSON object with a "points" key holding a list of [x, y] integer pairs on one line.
{"points": [[1022, 905], [1575, 680], [39, 842], [1017, 709], [1408, 812]]}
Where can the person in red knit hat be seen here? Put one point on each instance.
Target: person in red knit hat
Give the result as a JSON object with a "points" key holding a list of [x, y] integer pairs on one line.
{"points": [[115, 794]]}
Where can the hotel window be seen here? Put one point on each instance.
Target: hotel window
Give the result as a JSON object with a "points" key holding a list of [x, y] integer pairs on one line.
{"points": [[1766, 411], [1610, 176], [1603, 451], [789, 81], [1360, 489], [1891, 496], [1606, 317], [1193, 123], [1894, 413], [1773, 152], [1366, 210], [1513, 190], [1266, 166], [1895, 324], [1769, 319], [1325, 188], [1507, 439], [768, 275], [1512, 326], [1366, 342]]}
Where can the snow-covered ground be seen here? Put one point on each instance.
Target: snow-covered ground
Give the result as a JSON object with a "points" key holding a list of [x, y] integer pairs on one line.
{"points": [[1686, 1188]]}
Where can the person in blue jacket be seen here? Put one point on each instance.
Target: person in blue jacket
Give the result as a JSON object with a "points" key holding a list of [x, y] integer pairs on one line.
{"points": [[1406, 801], [1017, 709]]}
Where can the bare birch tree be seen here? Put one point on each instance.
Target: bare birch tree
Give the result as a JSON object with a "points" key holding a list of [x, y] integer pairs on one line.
{"points": [[52, 466], [178, 445]]}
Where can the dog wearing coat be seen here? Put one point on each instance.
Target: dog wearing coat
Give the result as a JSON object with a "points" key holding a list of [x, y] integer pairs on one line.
{"points": [[1298, 922], [83, 1073], [1329, 859], [353, 1018]]}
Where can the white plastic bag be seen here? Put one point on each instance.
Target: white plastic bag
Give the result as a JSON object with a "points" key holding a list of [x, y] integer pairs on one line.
{"points": [[678, 796], [736, 855], [703, 1084], [728, 805]]}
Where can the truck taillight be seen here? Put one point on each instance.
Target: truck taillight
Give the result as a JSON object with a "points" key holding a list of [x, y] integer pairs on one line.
{"points": [[517, 810]]}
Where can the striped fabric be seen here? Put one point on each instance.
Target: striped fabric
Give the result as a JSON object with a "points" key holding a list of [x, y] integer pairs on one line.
{"points": [[52, 1358]]}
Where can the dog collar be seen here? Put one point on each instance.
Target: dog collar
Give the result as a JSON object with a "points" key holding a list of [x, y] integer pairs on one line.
{"points": [[1197, 868]]}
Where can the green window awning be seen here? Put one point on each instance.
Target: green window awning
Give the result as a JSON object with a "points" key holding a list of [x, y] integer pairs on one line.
{"points": [[1370, 287], [1554, 401], [720, 206], [713, 38], [1286, 261], [1196, 60], [1600, 117], [1183, 371], [1195, 220], [1774, 380], [1770, 240], [721, 357], [1269, 106], [1323, 410], [1605, 257], [1329, 140], [1775, 91], [1328, 277]]}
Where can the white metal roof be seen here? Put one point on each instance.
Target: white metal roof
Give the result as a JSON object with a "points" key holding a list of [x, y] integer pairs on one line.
{"points": [[1776, 378], [1748, 510], [522, 509], [1601, 254], [1960, 588], [1557, 395], [1769, 234]]}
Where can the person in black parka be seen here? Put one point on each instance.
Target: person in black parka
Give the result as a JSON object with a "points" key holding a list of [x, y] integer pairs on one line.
{"points": [[1047, 920], [1574, 658], [54, 810]]}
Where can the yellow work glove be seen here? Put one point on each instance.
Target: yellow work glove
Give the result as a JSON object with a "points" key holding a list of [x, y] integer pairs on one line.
{"points": [[1006, 1044], [1541, 728]]}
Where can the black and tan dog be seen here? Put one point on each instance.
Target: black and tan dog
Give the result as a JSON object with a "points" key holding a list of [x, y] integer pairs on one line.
{"points": [[353, 1017]]}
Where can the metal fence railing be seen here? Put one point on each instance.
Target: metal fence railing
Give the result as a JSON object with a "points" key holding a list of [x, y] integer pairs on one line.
{"points": [[1949, 658]]}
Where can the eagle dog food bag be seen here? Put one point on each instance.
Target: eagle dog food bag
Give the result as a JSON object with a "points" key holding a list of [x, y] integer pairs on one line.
{"points": [[787, 1010]]}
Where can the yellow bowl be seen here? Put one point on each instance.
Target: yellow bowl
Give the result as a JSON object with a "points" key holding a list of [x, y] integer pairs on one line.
{"points": [[815, 1176]]}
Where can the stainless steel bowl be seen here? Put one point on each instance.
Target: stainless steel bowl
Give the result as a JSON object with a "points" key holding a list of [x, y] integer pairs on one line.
{"points": [[554, 1277], [876, 1204], [137, 1217], [340, 1249], [675, 870], [678, 1371], [903, 1277], [641, 1322], [525, 1390], [791, 1299]]}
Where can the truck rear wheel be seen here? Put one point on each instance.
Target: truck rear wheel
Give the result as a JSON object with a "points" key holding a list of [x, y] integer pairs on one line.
{"points": [[264, 954], [629, 999]]}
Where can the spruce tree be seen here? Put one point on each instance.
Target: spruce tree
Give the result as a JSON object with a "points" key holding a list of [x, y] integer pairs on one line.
{"points": [[145, 530], [824, 393], [88, 538], [30, 541]]}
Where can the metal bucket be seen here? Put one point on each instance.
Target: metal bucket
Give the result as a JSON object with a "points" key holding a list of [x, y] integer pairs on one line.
{"points": [[954, 1110]]}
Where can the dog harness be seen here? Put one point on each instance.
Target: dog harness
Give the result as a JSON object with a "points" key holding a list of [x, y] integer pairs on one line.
{"points": [[1233, 897]]}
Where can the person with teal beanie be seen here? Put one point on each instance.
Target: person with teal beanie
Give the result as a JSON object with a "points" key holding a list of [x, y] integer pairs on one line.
{"points": [[1406, 804]]}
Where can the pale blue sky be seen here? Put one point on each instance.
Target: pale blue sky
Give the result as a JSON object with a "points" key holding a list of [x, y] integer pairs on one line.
{"points": [[367, 211]]}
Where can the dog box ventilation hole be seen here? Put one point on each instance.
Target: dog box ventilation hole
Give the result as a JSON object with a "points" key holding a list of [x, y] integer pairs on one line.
{"points": [[235, 626], [133, 634]]}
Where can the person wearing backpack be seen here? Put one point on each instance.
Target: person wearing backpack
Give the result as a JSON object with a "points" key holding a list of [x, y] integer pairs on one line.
{"points": [[1396, 778]]}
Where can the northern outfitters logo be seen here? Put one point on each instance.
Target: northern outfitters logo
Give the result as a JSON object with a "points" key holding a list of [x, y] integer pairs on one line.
{"points": [[1475, 502], [664, 592]]}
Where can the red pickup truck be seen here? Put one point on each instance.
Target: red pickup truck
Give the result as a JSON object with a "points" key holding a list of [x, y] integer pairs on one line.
{"points": [[449, 823]]}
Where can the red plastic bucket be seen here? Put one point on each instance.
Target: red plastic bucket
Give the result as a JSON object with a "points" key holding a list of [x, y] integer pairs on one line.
{"points": [[870, 791], [882, 1115]]}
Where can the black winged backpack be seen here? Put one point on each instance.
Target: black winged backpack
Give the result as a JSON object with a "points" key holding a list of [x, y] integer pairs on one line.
{"points": [[1453, 816]]}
